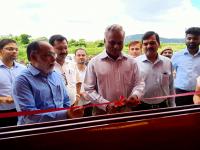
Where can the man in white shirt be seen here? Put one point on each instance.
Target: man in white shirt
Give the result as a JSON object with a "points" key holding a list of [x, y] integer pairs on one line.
{"points": [[81, 60], [67, 69]]}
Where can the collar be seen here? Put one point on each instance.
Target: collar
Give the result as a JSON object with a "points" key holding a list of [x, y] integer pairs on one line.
{"points": [[145, 59], [104, 56], [34, 71], [15, 64]]}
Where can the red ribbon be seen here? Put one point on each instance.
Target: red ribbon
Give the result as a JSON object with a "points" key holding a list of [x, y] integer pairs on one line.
{"points": [[117, 103]]}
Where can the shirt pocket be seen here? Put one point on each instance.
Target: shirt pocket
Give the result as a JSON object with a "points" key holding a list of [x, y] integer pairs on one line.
{"points": [[165, 81], [41, 100]]}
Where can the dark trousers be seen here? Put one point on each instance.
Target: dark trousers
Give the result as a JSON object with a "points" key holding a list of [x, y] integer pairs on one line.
{"points": [[183, 100], [145, 106], [11, 121]]}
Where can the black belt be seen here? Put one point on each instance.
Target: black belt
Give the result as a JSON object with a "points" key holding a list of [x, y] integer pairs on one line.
{"points": [[179, 91], [154, 106]]}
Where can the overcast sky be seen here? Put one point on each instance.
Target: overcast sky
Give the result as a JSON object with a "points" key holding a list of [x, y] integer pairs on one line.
{"points": [[88, 18]]}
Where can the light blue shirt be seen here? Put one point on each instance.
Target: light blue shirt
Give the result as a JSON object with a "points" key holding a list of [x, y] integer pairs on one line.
{"points": [[187, 69], [7, 77], [158, 78], [34, 91]]}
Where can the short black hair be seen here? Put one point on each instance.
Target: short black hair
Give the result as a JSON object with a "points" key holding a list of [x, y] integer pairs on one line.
{"points": [[32, 47], [80, 49], [193, 30], [4, 42], [149, 34], [56, 37]]}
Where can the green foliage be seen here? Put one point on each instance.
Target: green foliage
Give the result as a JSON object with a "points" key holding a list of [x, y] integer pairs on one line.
{"points": [[175, 46], [24, 39], [79, 43]]}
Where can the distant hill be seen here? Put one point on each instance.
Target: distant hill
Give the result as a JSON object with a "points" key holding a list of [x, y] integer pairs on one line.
{"points": [[163, 40]]}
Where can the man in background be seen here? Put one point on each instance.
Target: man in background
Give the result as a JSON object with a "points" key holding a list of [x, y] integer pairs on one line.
{"points": [[186, 65], [9, 70], [167, 52], [135, 48], [81, 60], [68, 70]]}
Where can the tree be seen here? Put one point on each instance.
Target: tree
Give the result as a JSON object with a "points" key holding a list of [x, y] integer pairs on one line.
{"points": [[99, 43], [24, 39], [81, 43], [72, 42]]}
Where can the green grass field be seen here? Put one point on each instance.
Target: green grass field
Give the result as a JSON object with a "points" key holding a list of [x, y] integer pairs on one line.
{"points": [[92, 49]]}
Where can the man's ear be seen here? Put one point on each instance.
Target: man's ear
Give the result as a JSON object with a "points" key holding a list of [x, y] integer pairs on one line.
{"points": [[33, 56]]}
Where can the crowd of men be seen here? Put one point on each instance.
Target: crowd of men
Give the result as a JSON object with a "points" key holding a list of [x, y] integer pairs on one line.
{"points": [[140, 77]]}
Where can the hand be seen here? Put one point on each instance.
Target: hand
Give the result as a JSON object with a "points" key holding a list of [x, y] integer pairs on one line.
{"points": [[77, 100], [75, 112], [110, 108], [132, 101], [83, 96], [6, 99], [196, 99]]}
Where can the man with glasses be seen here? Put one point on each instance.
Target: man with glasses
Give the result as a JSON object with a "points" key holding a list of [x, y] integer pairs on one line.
{"points": [[40, 87], [9, 69]]}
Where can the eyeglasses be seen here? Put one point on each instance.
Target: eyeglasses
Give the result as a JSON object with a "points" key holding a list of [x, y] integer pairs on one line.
{"points": [[11, 48]]}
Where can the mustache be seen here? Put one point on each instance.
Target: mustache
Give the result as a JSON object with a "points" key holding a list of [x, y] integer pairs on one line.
{"points": [[193, 45], [150, 49]]}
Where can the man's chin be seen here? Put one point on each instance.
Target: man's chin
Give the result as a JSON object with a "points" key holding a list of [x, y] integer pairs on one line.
{"points": [[14, 58]]}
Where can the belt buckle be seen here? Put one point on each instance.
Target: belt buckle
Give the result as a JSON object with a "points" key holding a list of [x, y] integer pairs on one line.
{"points": [[154, 106]]}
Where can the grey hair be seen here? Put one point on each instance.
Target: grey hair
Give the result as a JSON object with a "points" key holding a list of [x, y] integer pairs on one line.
{"points": [[114, 27]]}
